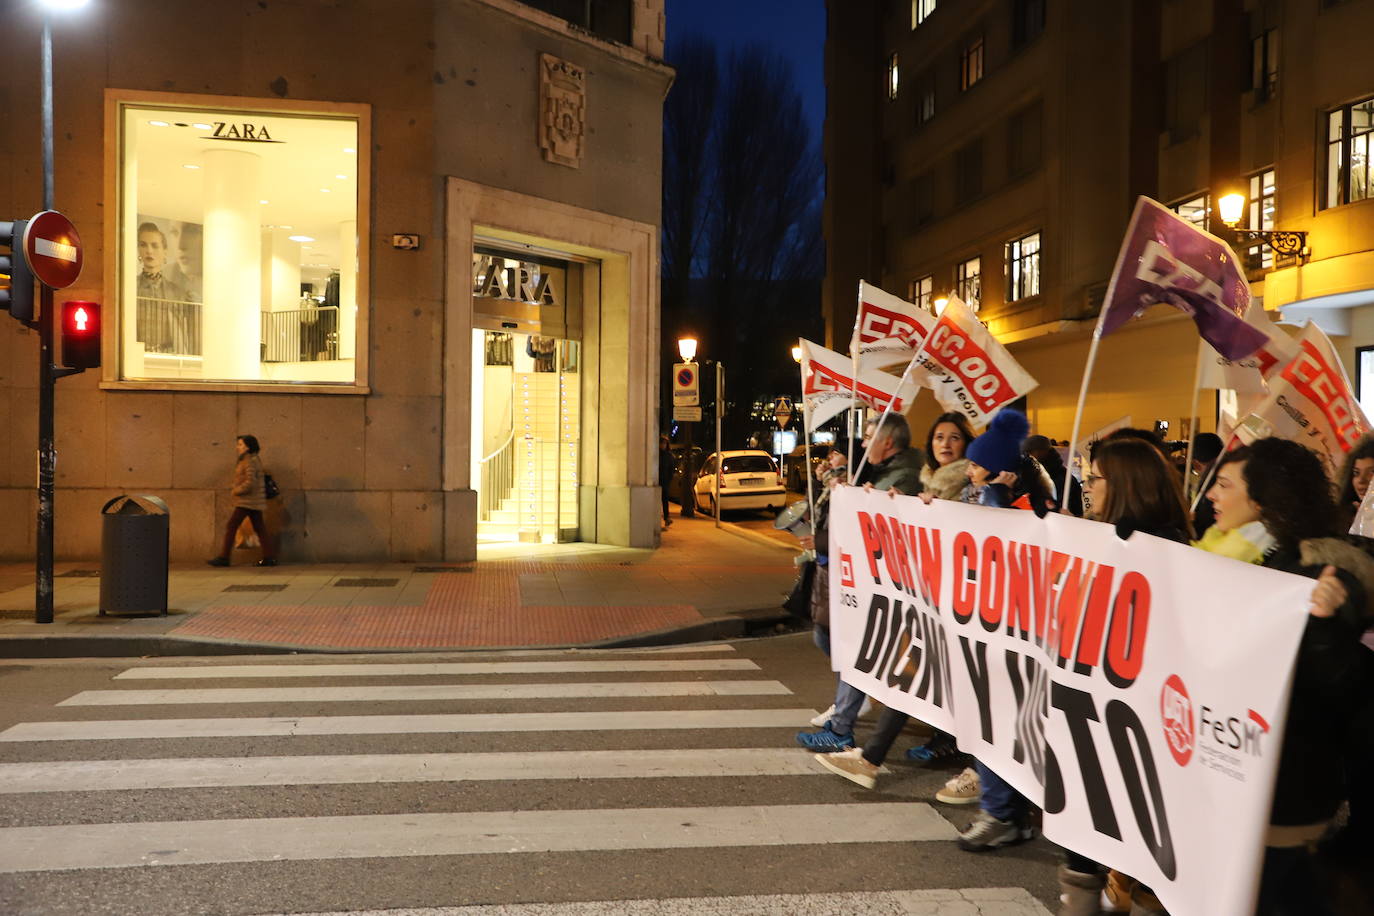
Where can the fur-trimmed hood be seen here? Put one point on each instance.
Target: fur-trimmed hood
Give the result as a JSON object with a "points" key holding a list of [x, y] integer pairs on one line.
{"points": [[946, 482], [1346, 557]]}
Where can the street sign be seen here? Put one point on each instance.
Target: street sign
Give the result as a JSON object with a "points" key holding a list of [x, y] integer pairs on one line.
{"points": [[686, 385], [782, 411], [687, 414], [53, 249]]}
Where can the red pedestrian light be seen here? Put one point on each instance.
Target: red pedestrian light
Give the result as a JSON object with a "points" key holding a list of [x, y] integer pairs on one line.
{"points": [[81, 334]]}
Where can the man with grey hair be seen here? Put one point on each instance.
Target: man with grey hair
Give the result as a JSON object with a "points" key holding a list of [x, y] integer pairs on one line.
{"points": [[896, 465]]}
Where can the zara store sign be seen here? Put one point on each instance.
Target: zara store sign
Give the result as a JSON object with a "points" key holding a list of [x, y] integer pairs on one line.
{"points": [[495, 276]]}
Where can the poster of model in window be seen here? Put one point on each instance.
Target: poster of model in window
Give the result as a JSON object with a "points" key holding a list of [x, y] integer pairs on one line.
{"points": [[170, 255]]}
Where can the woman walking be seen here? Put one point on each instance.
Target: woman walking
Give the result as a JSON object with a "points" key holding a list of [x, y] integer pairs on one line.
{"points": [[250, 501]]}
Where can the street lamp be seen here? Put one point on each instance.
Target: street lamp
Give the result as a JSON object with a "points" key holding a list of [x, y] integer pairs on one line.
{"points": [[1281, 241], [687, 348], [797, 353], [940, 305]]}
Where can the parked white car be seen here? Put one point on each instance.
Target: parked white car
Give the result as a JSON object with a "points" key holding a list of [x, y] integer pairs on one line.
{"points": [[748, 479]]}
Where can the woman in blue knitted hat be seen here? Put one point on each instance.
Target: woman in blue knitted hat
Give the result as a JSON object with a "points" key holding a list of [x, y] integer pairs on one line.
{"points": [[1000, 475]]}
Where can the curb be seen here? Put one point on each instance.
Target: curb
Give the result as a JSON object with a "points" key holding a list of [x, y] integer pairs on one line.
{"points": [[745, 624], [754, 536]]}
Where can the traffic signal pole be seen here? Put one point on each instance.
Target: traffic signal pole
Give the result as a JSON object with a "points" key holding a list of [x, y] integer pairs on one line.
{"points": [[47, 383]]}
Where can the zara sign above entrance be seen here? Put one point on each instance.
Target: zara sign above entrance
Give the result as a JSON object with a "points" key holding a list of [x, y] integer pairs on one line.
{"points": [[497, 277]]}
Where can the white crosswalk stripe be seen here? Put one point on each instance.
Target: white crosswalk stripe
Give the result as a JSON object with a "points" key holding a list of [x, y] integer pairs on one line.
{"points": [[598, 773], [396, 669]]}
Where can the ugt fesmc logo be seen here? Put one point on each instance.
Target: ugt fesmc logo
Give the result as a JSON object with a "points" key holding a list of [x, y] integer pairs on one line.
{"points": [[1176, 709]]}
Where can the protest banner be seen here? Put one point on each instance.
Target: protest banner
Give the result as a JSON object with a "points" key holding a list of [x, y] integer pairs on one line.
{"points": [[888, 330], [968, 369], [829, 387], [1310, 401], [1134, 689]]}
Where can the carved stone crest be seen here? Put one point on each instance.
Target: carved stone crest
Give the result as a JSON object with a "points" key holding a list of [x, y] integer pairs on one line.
{"points": [[563, 110]]}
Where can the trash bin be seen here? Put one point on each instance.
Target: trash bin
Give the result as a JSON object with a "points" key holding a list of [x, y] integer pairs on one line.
{"points": [[134, 544]]}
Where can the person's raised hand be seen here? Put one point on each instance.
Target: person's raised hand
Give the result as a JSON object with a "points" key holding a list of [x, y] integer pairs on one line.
{"points": [[1328, 594]]}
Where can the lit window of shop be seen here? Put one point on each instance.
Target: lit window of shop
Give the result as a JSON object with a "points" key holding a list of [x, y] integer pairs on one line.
{"points": [[920, 11], [1195, 210], [1023, 267], [893, 74], [968, 281], [920, 291], [1260, 215], [237, 247], [1349, 143]]}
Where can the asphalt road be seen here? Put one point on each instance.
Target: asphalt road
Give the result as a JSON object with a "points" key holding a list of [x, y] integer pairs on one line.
{"points": [[330, 784]]}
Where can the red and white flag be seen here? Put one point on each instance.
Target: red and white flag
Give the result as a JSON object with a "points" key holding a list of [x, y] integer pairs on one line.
{"points": [[829, 387], [888, 330], [1310, 401], [970, 371], [1250, 374]]}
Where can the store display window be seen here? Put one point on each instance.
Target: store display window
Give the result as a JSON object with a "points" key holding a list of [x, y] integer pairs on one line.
{"points": [[238, 246]]}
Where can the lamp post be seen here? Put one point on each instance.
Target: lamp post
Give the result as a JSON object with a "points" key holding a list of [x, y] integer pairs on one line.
{"points": [[1280, 241], [687, 350], [47, 374]]}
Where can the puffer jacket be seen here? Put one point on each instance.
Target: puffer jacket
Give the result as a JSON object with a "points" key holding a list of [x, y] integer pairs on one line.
{"points": [[1331, 676], [249, 490], [902, 471], [945, 482]]}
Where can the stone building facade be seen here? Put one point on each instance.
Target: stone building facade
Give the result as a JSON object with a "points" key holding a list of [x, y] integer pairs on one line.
{"points": [[411, 247], [995, 148]]}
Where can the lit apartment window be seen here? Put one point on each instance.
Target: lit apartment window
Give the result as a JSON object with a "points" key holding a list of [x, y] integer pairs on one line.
{"points": [[920, 11], [892, 75], [1194, 210], [968, 281], [237, 247], [971, 63], [1349, 143], [1023, 267], [1260, 216], [919, 292], [1264, 64]]}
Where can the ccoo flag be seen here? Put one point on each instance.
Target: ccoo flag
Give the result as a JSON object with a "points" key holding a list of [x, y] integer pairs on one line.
{"points": [[889, 330], [969, 370], [829, 387], [1251, 374], [1165, 259]]}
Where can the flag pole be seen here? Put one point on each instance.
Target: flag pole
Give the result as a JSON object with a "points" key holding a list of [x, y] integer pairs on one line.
{"points": [[1078, 412], [810, 472], [854, 379], [920, 351], [1192, 423]]}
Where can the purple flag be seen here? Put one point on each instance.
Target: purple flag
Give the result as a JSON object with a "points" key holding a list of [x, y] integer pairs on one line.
{"points": [[1167, 260]]}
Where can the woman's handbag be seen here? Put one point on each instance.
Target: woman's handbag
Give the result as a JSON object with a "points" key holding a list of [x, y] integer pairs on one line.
{"points": [[270, 486], [798, 602]]}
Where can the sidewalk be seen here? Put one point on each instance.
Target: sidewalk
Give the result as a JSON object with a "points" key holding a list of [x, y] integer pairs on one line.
{"points": [[702, 583]]}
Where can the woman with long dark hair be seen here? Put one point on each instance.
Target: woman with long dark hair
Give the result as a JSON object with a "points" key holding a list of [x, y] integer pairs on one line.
{"points": [[249, 491], [1274, 507], [1352, 483]]}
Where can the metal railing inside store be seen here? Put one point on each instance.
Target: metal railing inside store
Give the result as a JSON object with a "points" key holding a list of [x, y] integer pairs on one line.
{"points": [[497, 477], [170, 326], [300, 335]]}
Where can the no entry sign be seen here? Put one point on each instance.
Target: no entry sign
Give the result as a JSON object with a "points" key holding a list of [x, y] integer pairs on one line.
{"points": [[53, 249]]}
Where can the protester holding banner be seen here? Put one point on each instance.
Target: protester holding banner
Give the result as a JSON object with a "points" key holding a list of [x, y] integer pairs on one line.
{"points": [[942, 477], [998, 452], [1132, 488], [1281, 487]]}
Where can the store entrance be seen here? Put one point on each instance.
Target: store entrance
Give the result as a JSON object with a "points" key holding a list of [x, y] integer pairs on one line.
{"points": [[526, 436]]}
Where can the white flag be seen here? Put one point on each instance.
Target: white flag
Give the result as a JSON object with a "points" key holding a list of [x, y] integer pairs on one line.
{"points": [[888, 330], [1310, 401], [970, 371], [829, 388], [1251, 374]]}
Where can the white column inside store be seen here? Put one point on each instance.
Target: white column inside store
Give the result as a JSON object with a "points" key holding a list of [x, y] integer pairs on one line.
{"points": [[131, 351], [281, 276], [232, 318], [348, 288]]}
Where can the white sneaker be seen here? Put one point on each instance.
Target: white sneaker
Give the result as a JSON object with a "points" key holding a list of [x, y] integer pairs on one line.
{"points": [[819, 721]]}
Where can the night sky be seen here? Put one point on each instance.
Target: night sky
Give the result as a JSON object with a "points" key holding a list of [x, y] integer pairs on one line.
{"points": [[793, 28]]}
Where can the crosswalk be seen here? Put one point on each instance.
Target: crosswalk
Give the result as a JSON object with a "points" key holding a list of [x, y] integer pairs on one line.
{"points": [[555, 783]]}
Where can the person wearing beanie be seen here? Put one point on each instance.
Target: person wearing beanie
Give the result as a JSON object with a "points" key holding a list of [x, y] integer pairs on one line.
{"points": [[997, 452]]}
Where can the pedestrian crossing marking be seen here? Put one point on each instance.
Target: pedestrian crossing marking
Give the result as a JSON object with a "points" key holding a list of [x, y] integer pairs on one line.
{"points": [[394, 669], [291, 726], [208, 842], [971, 901], [203, 772], [424, 692]]}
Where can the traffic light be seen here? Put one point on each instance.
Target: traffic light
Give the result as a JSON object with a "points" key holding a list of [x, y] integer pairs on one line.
{"points": [[16, 280], [81, 334]]}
